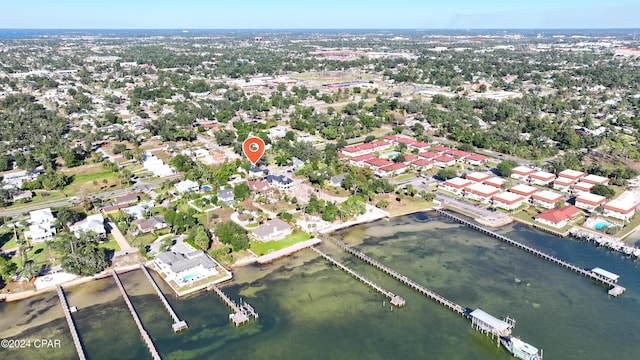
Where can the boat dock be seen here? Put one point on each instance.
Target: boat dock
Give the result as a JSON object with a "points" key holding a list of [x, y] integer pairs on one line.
{"points": [[615, 288], [394, 274], [72, 325], [395, 299], [241, 313], [143, 332], [177, 323]]}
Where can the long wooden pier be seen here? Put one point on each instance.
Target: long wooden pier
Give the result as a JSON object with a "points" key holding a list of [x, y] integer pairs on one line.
{"points": [[396, 275], [177, 323], [395, 299], [145, 336], [240, 313], [72, 325], [616, 289]]}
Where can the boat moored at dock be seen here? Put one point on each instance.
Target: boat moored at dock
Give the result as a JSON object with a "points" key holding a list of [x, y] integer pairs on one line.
{"points": [[520, 349]]}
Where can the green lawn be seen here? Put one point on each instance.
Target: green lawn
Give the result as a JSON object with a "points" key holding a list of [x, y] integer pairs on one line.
{"points": [[39, 254], [110, 245], [85, 182], [262, 248], [144, 239], [404, 177], [7, 240]]}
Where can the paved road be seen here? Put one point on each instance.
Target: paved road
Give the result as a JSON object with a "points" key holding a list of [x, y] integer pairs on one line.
{"points": [[140, 186]]}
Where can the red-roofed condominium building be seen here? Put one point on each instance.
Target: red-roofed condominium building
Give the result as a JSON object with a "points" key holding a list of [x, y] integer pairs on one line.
{"points": [[620, 209], [455, 185], [541, 178], [480, 192], [563, 184], [547, 199], [508, 200], [521, 172], [590, 202], [557, 217]]}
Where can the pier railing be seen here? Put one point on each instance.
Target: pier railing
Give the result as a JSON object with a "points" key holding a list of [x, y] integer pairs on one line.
{"points": [[395, 299], [145, 336], [72, 325], [177, 323], [396, 275], [531, 250], [240, 313]]}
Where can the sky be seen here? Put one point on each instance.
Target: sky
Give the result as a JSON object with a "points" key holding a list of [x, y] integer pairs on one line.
{"points": [[320, 14]]}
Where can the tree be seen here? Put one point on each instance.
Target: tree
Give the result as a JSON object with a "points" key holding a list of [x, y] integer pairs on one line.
{"points": [[603, 190], [200, 237], [67, 216], [119, 148], [182, 163], [369, 138], [505, 167], [7, 268], [241, 191], [382, 204], [558, 204], [399, 158], [81, 255], [446, 174], [225, 137], [233, 234]]}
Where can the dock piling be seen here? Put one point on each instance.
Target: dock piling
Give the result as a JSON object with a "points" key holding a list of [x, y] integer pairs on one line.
{"points": [[177, 323], [72, 326]]}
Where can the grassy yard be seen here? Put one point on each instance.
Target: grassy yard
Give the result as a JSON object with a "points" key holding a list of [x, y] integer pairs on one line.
{"points": [[404, 177], [407, 206], [262, 248], [85, 182], [39, 254], [110, 245], [7, 240], [628, 228]]}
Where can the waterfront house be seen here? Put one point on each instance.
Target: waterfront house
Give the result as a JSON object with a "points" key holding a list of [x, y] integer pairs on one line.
{"points": [[508, 200], [521, 172], [275, 229], [185, 268], [546, 199], [620, 209], [455, 185], [557, 218], [480, 192], [589, 202]]}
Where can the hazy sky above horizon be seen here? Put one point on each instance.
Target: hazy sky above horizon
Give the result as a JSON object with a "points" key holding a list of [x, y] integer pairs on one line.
{"points": [[343, 14]]}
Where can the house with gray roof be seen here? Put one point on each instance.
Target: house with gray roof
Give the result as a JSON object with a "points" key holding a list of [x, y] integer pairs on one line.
{"points": [[226, 196], [93, 223], [185, 268], [275, 229]]}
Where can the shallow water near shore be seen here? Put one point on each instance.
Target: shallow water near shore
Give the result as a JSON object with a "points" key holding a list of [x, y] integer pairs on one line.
{"points": [[312, 310]]}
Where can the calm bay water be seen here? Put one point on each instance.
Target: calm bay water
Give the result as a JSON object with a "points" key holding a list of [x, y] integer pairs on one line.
{"points": [[311, 310]]}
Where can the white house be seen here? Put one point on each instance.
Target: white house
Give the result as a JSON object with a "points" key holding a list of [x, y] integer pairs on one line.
{"points": [[41, 228], [187, 186], [93, 223], [557, 217], [275, 229], [157, 166], [280, 182], [185, 268]]}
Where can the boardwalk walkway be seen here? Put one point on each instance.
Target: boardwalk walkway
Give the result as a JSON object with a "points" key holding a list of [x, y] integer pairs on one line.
{"points": [[177, 323], [394, 274], [143, 332], [72, 326], [240, 313], [587, 273], [395, 299]]}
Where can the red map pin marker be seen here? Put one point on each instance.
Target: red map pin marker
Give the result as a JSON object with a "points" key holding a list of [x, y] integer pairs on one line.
{"points": [[253, 148]]}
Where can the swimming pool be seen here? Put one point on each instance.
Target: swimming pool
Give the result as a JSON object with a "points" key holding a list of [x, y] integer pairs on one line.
{"points": [[207, 187], [392, 155], [189, 277], [601, 225]]}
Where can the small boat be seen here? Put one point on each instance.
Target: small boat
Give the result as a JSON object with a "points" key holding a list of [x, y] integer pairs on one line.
{"points": [[520, 349]]}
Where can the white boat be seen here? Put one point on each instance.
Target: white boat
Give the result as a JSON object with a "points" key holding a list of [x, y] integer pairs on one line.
{"points": [[520, 349]]}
